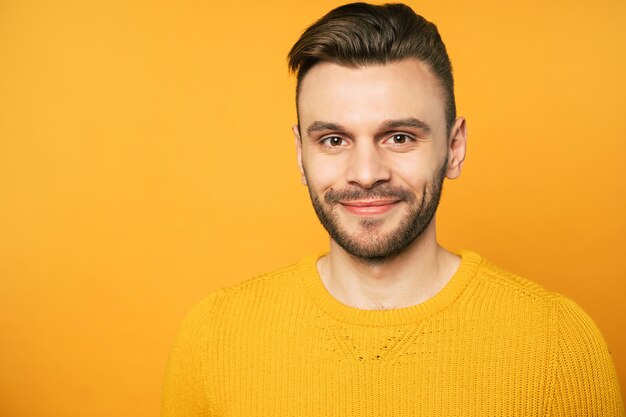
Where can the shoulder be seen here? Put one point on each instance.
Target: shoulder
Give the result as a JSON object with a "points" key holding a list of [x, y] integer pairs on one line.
{"points": [[275, 280], [577, 348], [253, 292], [208, 333], [584, 380], [520, 296], [512, 284], [564, 312], [577, 335], [582, 377], [518, 300]]}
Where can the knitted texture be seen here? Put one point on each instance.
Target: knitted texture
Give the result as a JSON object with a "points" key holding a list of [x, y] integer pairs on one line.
{"points": [[488, 344]]}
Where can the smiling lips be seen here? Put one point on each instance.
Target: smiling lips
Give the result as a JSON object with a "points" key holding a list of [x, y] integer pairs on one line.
{"points": [[369, 207]]}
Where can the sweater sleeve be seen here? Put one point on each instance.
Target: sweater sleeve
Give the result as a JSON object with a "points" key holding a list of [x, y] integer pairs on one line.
{"points": [[185, 392], [585, 381]]}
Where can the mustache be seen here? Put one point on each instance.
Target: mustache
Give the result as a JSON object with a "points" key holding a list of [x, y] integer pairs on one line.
{"points": [[355, 193]]}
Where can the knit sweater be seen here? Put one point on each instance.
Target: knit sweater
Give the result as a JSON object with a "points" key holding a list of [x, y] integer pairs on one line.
{"points": [[488, 344]]}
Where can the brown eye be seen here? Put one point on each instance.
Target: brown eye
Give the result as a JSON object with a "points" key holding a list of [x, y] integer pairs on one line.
{"points": [[399, 138], [333, 141]]}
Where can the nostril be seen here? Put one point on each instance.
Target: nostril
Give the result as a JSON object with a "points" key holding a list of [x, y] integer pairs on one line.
{"points": [[367, 171]]}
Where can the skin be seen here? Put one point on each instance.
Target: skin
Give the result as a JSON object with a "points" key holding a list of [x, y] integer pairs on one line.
{"points": [[367, 127]]}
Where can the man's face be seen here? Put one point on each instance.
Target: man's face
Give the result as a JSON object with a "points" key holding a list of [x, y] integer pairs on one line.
{"points": [[373, 152]]}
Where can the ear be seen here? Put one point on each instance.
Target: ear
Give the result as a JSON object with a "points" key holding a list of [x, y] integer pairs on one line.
{"points": [[296, 133], [457, 144]]}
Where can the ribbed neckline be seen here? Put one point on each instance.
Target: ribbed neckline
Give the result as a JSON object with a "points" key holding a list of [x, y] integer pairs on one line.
{"points": [[315, 288]]}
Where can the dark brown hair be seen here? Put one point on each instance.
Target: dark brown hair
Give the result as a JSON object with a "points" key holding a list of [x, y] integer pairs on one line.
{"points": [[359, 34]]}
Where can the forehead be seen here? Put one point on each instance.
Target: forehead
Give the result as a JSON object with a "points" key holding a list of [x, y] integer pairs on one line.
{"points": [[367, 95]]}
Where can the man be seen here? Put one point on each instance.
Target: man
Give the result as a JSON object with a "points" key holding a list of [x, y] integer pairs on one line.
{"points": [[387, 322]]}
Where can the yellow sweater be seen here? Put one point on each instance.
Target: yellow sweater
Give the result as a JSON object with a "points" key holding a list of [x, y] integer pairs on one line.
{"points": [[489, 344]]}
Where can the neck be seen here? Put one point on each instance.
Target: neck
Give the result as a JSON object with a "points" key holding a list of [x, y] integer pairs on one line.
{"points": [[409, 278]]}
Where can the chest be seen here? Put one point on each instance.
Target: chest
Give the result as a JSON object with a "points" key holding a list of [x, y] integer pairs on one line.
{"points": [[456, 368]]}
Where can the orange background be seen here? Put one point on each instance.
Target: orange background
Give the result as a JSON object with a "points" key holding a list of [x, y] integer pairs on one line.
{"points": [[146, 159]]}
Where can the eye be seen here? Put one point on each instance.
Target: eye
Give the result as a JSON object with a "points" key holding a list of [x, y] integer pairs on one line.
{"points": [[333, 141], [398, 139]]}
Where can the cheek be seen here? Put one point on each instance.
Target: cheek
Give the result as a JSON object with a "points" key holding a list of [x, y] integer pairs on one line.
{"points": [[323, 172], [415, 172]]}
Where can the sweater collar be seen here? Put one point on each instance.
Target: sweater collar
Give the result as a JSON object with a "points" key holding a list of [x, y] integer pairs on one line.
{"points": [[316, 290]]}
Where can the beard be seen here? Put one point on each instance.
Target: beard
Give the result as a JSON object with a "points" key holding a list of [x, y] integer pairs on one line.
{"points": [[369, 244]]}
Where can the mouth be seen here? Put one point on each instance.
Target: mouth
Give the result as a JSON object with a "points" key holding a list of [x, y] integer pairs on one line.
{"points": [[369, 207]]}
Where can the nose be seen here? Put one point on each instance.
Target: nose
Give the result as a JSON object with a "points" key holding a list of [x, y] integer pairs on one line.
{"points": [[367, 166]]}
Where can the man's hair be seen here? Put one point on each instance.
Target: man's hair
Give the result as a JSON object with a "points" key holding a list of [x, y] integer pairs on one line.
{"points": [[360, 34]]}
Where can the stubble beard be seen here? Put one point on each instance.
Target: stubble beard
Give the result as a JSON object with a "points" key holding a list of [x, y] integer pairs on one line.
{"points": [[370, 245]]}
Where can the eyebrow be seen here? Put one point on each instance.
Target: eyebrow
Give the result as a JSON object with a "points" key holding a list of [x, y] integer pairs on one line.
{"points": [[388, 124], [408, 122], [318, 126]]}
